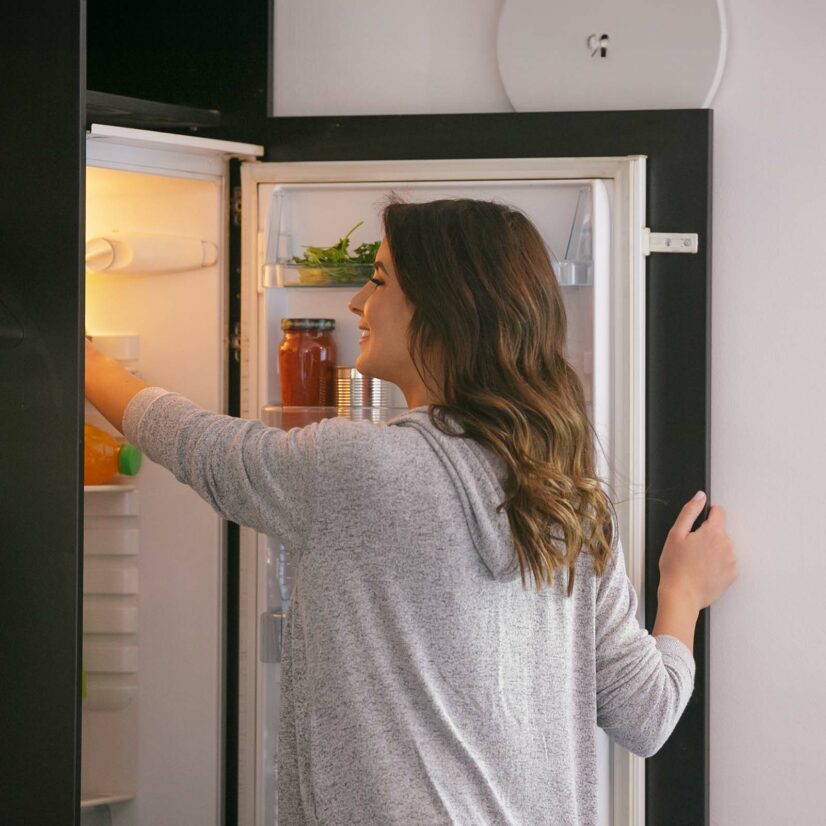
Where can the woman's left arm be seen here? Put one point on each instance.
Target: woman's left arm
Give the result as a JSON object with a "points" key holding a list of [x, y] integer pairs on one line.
{"points": [[109, 387], [258, 476]]}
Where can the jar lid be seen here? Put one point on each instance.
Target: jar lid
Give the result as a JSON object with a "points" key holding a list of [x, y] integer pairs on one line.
{"points": [[308, 324]]}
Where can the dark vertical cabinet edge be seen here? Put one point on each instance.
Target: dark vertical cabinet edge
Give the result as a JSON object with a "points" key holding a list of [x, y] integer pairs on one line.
{"points": [[678, 441], [233, 567], [677, 144], [41, 407]]}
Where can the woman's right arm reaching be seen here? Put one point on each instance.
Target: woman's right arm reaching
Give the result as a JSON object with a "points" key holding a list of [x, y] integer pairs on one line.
{"points": [[644, 681]]}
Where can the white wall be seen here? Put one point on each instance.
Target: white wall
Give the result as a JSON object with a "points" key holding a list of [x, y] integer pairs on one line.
{"points": [[768, 450], [374, 57]]}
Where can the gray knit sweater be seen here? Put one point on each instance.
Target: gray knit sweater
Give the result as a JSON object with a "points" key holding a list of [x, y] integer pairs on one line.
{"points": [[421, 683]]}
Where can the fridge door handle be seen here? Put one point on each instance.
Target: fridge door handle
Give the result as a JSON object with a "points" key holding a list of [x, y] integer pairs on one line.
{"points": [[270, 635]]}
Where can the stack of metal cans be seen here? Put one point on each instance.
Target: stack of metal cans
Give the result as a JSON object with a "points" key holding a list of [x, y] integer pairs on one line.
{"points": [[359, 396]]}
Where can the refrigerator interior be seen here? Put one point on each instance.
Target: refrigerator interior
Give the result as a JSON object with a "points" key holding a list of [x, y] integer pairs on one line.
{"points": [[292, 216], [152, 741], [574, 218]]}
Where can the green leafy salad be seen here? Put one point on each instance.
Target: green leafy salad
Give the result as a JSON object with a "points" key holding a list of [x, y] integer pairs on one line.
{"points": [[335, 265]]}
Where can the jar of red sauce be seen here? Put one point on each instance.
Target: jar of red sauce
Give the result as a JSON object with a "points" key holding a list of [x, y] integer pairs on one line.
{"points": [[306, 361]]}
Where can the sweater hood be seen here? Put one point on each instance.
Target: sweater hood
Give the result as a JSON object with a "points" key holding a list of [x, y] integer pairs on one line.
{"points": [[478, 476]]}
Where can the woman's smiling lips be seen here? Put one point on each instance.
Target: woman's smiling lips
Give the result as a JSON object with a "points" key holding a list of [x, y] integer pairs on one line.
{"points": [[364, 334]]}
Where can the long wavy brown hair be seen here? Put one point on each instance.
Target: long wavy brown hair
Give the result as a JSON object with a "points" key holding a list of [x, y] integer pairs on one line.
{"points": [[489, 328]]}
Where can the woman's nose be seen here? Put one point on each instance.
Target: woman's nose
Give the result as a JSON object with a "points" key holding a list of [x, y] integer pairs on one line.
{"points": [[355, 304]]}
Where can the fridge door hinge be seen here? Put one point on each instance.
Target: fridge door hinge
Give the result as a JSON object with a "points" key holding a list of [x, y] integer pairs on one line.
{"points": [[235, 206], [683, 242], [235, 341]]}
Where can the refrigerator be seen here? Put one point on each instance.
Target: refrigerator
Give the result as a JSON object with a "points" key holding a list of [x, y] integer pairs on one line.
{"points": [[160, 214], [175, 615]]}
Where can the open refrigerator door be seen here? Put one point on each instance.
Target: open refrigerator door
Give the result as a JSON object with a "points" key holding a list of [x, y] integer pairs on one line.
{"points": [[153, 642], [585, 220]]}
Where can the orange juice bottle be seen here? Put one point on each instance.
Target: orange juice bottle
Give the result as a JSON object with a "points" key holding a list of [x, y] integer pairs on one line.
{"points": [[104, 456]]}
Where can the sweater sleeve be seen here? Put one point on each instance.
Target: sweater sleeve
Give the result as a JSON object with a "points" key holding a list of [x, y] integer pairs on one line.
{"points": [[258, 476], [643, 682]]}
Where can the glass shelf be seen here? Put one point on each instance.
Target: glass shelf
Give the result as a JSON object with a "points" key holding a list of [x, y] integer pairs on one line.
{"points": [[286, 418], [285, 273]]}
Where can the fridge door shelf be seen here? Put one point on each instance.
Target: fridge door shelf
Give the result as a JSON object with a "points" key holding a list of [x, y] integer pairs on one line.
{"points": [[108, 697], [576, 269], [107, 488], [285, 417], [574, 273], [110, 594], [290, 274], [110, 500], [104, 800], [110, 658], [569, 273]]}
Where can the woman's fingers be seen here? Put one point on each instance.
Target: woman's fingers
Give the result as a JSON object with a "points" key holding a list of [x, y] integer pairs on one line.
{"points": [[688, 515], [716, 516], [701, 564]]}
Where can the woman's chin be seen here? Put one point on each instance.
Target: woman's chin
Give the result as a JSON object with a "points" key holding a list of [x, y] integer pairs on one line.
{"points": [[363, 365], [366, 367]]}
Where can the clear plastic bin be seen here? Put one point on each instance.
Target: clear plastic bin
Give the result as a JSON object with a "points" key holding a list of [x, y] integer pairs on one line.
{"points": [[286, 274], [576, 269]]}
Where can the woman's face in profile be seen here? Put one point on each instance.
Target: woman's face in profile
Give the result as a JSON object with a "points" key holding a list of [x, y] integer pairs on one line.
{"points": [[384, 315]]}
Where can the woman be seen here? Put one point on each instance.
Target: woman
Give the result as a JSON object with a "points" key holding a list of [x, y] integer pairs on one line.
{"points": [[461, 620]]}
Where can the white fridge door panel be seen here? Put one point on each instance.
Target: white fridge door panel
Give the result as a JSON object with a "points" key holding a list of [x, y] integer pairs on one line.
{"points": [[166, 747], [605, 346]]}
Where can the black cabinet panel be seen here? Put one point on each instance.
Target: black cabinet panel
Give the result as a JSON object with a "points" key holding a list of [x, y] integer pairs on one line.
{"points": [[201, 54], [137, 113], [41, 409]]}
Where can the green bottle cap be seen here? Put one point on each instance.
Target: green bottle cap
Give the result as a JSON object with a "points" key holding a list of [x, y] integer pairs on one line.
{"points": [[129, 460]]}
